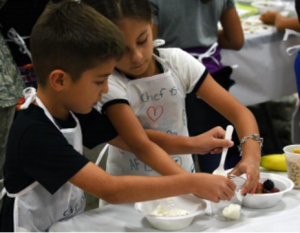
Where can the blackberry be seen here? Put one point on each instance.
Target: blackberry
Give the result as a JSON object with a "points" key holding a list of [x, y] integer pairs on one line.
{"points": [[268, 185]]}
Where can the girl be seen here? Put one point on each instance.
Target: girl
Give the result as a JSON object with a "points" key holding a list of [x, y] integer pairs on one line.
{"points": [[193, 26], [149, 87]]}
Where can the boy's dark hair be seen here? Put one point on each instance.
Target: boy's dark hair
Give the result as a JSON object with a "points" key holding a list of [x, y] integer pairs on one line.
{"points": [[73, 37], [115, 10]]}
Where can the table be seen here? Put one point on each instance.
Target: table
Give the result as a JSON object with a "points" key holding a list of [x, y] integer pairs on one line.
{"points": [[265, 70], [284, 217]]}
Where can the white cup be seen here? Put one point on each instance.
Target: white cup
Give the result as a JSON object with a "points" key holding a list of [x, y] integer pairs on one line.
{"points": [[217, 208], [293, 164]]}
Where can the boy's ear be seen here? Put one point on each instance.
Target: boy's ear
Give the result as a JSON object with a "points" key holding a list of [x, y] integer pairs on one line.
{"points": [[58, 79]]}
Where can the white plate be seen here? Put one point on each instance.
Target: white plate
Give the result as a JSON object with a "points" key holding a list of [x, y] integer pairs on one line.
{"points": [[264, 6]]}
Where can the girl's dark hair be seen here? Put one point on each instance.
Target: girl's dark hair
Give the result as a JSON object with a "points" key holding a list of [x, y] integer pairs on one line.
{"points": [[115, 10]]}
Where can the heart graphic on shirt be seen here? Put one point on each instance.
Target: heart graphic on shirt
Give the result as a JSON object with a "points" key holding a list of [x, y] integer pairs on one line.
{"points": [[121, 151], [154, 113]]}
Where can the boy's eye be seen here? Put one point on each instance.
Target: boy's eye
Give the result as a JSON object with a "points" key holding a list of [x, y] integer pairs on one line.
{"points": [[142, 42], [99, 83]]}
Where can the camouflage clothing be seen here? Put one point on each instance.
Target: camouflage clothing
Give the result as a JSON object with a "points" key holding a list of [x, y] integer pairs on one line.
{"points": [[11, 86], [11, 83], [6, 116]]}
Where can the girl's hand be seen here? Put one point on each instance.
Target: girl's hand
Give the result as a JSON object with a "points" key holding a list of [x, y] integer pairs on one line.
{"points": [[211, 141], [269, 17], [249, 166]]}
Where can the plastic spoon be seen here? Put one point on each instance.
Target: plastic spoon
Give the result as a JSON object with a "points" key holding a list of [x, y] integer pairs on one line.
{"points": [[220, 170]]}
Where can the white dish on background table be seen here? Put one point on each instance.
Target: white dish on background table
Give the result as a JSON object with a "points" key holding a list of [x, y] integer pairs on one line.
{"points": [[253, 25], [194, 205], [264, 6], [245, 2]]}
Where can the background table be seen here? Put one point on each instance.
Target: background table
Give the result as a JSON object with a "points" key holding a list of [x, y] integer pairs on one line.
{"points": [[265, 70], [284, 217]]}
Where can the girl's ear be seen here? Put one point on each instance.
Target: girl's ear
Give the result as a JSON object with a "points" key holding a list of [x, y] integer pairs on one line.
{"points": [[58, 80]]}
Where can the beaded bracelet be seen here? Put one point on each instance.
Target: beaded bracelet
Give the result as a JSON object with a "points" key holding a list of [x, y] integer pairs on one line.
{"points": [[254, 136]]}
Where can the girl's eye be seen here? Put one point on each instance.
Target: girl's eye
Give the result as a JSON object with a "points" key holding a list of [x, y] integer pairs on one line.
{"points": [[99, 83], [142, 42]]}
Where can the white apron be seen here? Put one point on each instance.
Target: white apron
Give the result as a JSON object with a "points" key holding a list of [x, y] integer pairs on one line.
{"points": [[159, 104], [35, 209]]}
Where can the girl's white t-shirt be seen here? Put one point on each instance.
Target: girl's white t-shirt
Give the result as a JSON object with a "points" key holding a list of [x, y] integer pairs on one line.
{"points": [[189, 70]]}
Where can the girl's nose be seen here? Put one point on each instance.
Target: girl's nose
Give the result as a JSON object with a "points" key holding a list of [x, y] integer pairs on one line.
{"points": [[136, 56], [104, 90]]}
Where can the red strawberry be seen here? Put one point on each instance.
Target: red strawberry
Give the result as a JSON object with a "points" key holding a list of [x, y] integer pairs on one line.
{"points": [[275, 190], [259, 188]]}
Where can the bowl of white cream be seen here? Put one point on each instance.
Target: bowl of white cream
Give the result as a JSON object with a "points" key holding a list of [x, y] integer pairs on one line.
{"points": [[173, 213]]}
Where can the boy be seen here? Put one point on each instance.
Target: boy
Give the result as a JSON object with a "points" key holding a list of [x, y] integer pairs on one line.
{"points": [[74, 50]]}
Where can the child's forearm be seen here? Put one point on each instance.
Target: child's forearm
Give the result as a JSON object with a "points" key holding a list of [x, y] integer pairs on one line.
{"points": [[234, 43], [283, 23], [209, 142], [126, 189], [172, 144], [250, 148]]}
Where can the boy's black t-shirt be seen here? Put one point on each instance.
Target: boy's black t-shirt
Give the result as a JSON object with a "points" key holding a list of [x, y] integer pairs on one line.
{"points": [[37, 151]]}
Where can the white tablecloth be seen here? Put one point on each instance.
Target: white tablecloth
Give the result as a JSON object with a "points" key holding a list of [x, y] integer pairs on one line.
{"points": [[265, 70], [284, 217]]}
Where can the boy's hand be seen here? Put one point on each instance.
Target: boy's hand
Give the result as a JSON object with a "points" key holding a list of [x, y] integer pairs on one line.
{"points": [[213, 187], [269, 17], [248, 165], [211, 141]]}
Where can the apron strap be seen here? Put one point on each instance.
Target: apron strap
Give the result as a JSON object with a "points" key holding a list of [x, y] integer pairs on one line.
{"points": [[29, 94], [289, 32], [101, 154], [2, 194], [158, 43], [3, 191], [293, 49], [208, 54]]}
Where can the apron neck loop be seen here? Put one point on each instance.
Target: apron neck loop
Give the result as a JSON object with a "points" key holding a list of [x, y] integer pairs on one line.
{"points": [[158, 43], [208, 54], [29, 94], [293, 49]]}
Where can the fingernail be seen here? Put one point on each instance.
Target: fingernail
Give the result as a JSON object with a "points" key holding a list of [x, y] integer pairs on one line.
{"points": [[244, 192], [248, 176]]}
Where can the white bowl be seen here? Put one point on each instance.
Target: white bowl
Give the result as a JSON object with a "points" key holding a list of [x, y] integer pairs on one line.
{"points": [[187, 202], [268, 200], [264, 6]]}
